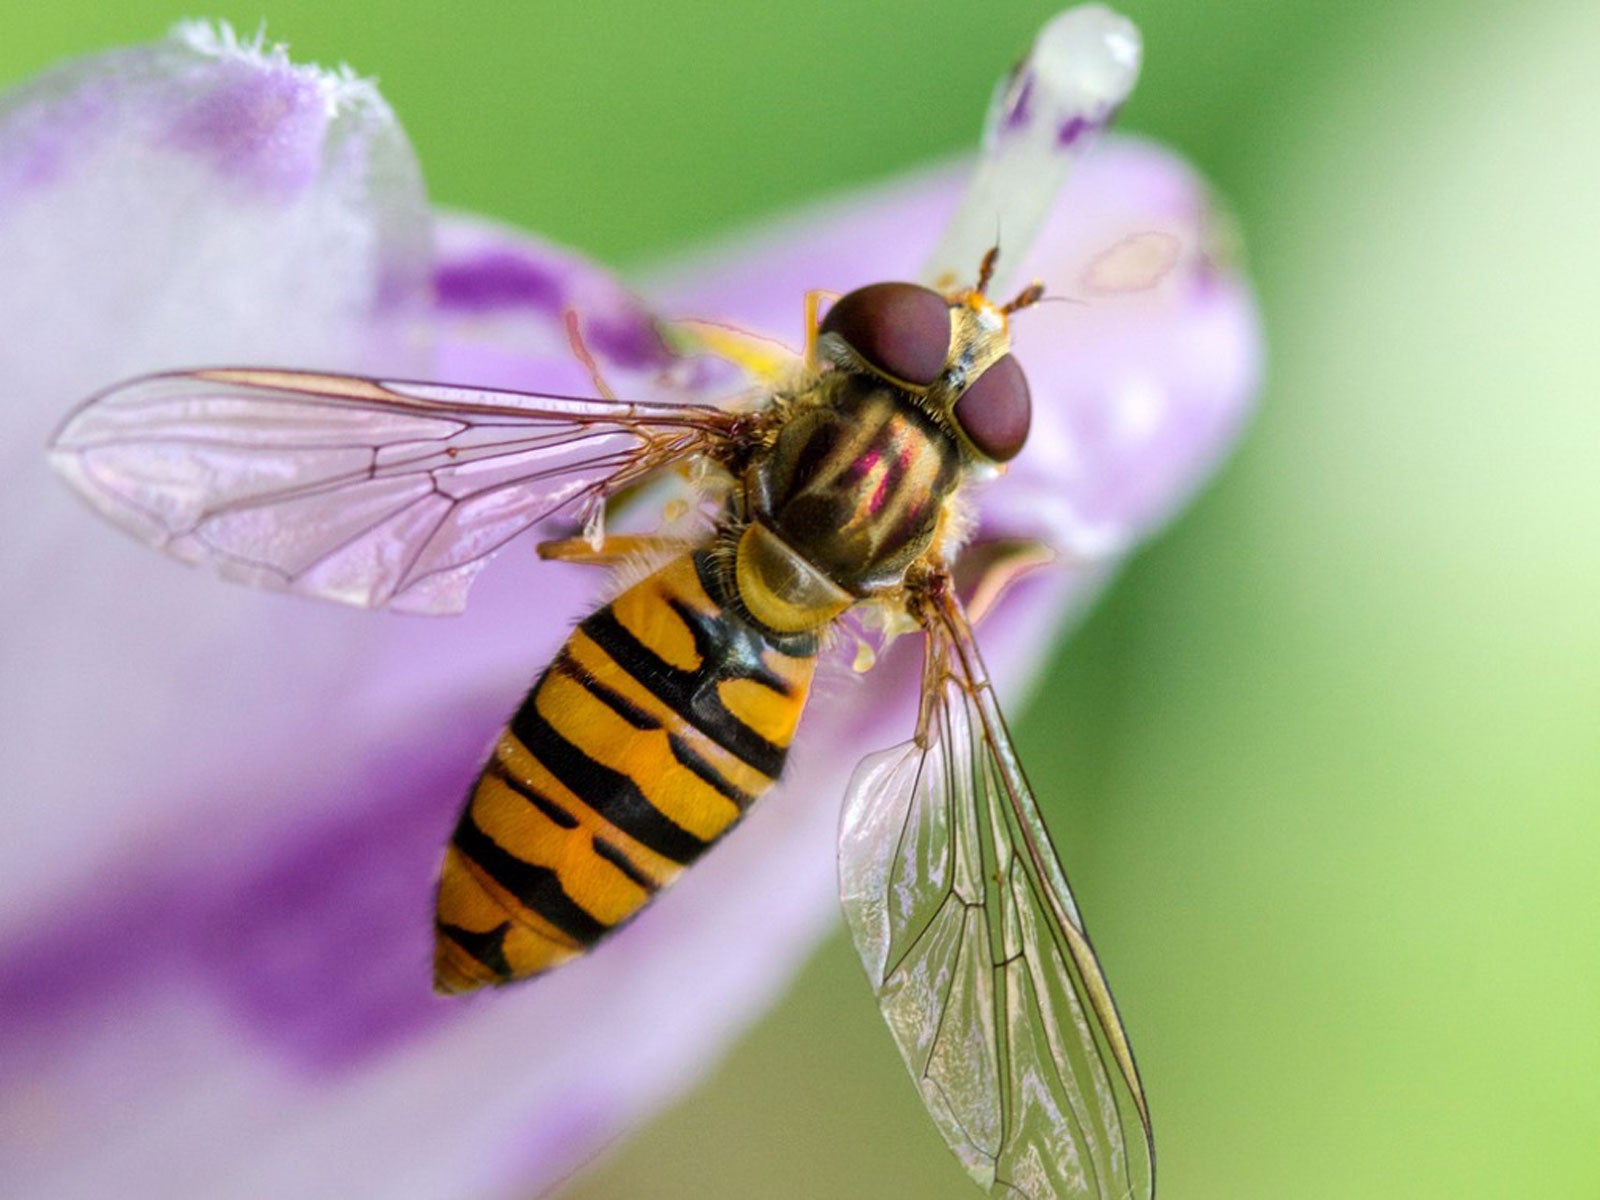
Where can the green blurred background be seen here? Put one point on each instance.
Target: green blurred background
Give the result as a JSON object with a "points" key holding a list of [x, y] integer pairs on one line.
{"points": [[1326, 761]]}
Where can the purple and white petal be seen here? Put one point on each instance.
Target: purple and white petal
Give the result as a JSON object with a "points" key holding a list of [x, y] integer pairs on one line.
{"points": [[502, 291], [197, 200], [214, 957], [214, 942]]}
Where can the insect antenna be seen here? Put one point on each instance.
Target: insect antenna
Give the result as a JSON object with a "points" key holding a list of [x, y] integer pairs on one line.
{"points": [[991, 256], [1055, 299], [1026, 298]]}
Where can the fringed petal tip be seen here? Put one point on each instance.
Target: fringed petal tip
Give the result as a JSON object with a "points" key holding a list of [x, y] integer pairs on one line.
{"points": [[236, 105], [339, 86]]}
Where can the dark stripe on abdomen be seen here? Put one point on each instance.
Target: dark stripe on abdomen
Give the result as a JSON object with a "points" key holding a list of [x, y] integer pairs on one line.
{"points": [[537, 888], [487, 948], [612, 699], [558, 815], [623, 863], [692, 694], [609, 793], [718, 782], [685, 754]]}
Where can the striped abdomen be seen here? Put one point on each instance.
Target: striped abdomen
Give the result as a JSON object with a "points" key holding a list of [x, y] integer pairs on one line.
{"points": [[663, 717]]}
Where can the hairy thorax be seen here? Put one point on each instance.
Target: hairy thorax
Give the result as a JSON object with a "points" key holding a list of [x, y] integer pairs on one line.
{"points": [[850, 495]]}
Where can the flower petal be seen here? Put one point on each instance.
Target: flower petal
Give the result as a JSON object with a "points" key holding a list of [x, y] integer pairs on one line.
{"points": [[195, 200], [215, 962], [224, 931], [1141, 386]]}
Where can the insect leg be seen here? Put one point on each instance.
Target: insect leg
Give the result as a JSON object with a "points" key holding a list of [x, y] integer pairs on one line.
{"points": [[991, 257], [613, 548], [814, 299], [580, 351], [987, 570]]}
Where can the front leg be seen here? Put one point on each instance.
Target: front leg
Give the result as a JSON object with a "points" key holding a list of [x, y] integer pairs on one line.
{"points": [[986, 571], [612, 549]]}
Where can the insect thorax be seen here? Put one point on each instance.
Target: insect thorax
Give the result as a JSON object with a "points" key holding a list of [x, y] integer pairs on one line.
{"points": [[855, 486]]}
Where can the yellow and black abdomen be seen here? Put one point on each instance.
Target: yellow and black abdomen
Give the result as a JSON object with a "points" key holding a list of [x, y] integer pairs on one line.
{"points": [[660, 721]]}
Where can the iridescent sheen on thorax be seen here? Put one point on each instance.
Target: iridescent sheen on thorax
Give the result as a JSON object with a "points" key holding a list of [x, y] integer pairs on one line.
{"points": [[857, 483]]}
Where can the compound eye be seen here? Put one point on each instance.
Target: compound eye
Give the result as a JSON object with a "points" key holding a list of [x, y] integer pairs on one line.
{"points": [[901, 329], [995, 411]]}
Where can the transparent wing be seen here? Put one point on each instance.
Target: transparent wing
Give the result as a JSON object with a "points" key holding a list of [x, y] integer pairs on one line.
{"points": [[365, 491], [969, 934]]}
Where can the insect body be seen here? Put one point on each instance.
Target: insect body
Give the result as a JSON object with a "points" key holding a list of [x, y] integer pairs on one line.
{"points": [[660, 721], [671, 709]]}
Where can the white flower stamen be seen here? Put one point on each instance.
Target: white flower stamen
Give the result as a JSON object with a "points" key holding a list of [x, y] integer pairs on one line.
{"points": [[1080, 69]]}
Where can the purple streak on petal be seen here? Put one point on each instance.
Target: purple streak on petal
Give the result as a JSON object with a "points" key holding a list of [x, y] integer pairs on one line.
{"points": [[53, 977], [630, 341], [1075, 129], [319, 944], [40, 140], [1080, 128], [484, 273], [1019, 110], [263, 130], [500, 279], [323, 946]]}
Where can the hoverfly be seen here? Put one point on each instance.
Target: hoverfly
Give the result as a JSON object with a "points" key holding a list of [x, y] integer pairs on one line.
{"points": [[844, 487]]}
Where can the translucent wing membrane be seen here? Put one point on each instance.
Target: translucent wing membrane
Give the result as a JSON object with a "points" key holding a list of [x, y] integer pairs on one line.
{"points": [[372, 493], [969, 934]]}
